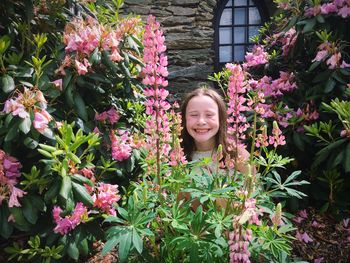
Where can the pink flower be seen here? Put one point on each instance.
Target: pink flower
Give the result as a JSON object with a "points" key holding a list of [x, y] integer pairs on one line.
{"points": [[318, 260], [121, 149], [80, 67], [333, 61], [106, 197], [41, 120], [321, 55], [277, 138], [303, 213], [155, 71], [115, 55], [9, 172], [58, 84], [113, 115], [257, 57], [328, 8], [303, 237], [68, 223], [344, 11], [15, 194], [15, 108]]}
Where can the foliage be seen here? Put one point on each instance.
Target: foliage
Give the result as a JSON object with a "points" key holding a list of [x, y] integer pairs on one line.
{"points": [[71, 96], [197, 211], [86, 110], [301, 65]]}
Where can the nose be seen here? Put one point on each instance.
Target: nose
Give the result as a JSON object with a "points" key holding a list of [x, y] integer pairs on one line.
{"points": [[202, 120]]}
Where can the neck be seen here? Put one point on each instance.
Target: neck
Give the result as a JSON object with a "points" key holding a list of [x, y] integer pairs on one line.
{"points": [[205, 147]]}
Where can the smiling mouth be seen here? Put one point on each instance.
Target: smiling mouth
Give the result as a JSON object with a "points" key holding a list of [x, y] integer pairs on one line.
{"points": [[202, 131]]}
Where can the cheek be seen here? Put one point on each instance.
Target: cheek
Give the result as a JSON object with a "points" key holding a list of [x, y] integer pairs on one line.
{"points": [[189, 122]]}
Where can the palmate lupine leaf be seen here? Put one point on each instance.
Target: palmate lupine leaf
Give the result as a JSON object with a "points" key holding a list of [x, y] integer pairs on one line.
{"points": [[284, 189]]}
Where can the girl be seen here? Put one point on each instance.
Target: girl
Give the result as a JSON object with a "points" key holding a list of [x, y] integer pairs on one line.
{"points": [[204, 122]]}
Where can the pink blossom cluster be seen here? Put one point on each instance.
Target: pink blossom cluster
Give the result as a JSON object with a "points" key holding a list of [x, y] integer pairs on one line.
{"points": [[82, 37], [286, 39], [105, 197], [239, 240], [283, 4], [155, 71], [65, 224], [9, 173], [112, 116], [254, 212], [257, 57], [339, 7], [301, 216], [27, 101], [277, 138], [177, 156], [303, 237], [121, 149], [277, 87], [237, 87], [329, 52], [306, 115]]}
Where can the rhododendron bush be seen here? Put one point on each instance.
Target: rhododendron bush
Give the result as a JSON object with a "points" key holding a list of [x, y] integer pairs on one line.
{"points": [[85, 110], [301, 67], [71, 98]]}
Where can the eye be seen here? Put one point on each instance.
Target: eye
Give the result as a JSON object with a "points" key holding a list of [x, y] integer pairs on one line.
{"points": [[209, 115], [193, 115]]}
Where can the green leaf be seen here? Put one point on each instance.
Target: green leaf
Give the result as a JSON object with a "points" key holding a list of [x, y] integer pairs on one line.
{"points": [[81, 179], [13, 130], [8, 84], [29, 211], [82, 194], [5, 42], [110, 244], [30, 143], [124, 247], [73, 250], [25, 125], [346, 161], [310, 23], [80, 106], [69, 95], [5, 227], [330, 84], [66, 187], [20, 222], [52, 192], [314, 65], [137, 241]]}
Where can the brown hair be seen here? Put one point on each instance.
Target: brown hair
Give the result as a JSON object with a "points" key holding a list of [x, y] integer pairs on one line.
{"points": [[220, 138]]}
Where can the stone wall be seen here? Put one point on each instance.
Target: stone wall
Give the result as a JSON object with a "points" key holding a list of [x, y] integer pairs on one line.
{"points": [[189, 37]]}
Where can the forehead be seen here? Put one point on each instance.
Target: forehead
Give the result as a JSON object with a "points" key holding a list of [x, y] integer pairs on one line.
{"points": [[202, 103]]}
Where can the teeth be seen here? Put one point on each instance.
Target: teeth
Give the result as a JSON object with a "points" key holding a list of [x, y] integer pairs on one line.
{"points": [[201, 131]]}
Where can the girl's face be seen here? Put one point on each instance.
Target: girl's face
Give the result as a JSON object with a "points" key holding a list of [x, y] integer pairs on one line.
{"points": [[202, 121]]}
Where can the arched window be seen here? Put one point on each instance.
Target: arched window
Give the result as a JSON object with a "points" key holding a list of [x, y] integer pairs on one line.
{"points": [[236, 21]]}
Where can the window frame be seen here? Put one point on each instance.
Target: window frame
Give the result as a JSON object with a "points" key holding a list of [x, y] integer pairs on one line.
{"points": [[264, 15]]}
